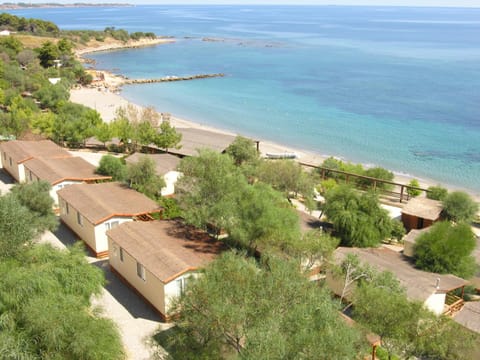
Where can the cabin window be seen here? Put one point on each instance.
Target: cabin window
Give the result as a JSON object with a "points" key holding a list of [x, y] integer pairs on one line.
{"points": [[31, 176], [181, 286], [141, 271], [5, 156], [67, 208], [121, 255], [79, 219], [10, 161], [111, 225]]}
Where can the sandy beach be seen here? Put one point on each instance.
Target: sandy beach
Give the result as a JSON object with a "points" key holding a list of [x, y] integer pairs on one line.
{"points": [[106, 102], [105, 97]]}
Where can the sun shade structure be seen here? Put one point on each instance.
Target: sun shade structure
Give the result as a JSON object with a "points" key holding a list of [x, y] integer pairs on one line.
{"points": [[420, 213], [157, 258], [92, 209]]}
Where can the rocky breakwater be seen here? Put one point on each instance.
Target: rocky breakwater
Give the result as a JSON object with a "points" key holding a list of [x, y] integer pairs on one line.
{"points": [[172, 78]]}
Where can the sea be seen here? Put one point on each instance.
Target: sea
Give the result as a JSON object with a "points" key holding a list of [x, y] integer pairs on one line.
{"points": [[397, 87]]}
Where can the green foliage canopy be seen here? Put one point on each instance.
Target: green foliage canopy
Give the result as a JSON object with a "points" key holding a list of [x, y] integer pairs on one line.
{"points": [[357, 218], [242, 150], [142, 176], [112, 166], [45, 298], [459, 206], [237, 308], [437, 193], [447, 248]]}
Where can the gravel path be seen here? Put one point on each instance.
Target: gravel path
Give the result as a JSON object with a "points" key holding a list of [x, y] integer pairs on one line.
{"points": [[135, 320]]}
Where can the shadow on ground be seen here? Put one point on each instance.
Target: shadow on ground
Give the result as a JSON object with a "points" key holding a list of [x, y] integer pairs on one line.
{"points": [[66, 236], [6, 178], [135, 305], [119, 290]]}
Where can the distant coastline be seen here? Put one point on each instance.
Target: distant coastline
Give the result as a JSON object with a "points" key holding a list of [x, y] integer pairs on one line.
{"points": [[12, 6]]}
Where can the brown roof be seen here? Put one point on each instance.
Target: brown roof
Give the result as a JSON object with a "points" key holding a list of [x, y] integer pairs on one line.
{"points": [[100, 202], [194, 139], [166, 248], [21, 151], [418, 283], [469, 316], [163, 162], [61, 169], [423, 208], [413, 235]]}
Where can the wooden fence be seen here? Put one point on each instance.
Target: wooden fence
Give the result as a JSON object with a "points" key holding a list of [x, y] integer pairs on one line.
{"points": [[401, 189]]}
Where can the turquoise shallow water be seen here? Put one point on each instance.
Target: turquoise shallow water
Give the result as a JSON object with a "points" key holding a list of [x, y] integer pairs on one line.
{"points": [[396, 87]]}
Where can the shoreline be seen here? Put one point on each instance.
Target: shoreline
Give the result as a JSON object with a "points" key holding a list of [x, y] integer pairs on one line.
{"points": [[113, 45], [106, 102], [105, 97]]}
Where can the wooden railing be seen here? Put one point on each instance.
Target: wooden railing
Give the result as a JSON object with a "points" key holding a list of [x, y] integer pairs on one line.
{"points": [[454, 304], [402, 193]]}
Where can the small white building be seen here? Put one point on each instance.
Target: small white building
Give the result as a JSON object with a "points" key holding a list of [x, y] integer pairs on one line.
{"points": [[165, 166], [14, 154], [429, 288], [92, 209], [62, 172], [5, 33], [158, 258]]}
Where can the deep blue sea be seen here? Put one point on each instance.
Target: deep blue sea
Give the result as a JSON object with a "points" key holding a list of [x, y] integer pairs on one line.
{"points": [[397, 87]]}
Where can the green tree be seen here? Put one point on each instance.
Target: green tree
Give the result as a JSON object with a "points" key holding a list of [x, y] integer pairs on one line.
{"points": [[459, 206], [26, 57], [104, 133], [209, 191], [15, 226], [52, 96], [112, 166], [437, 193], [242, 150], [75, 123], [168, 137], [45, 296], [413, 192], [288, 177], [237, 308], [36, 198], [142, 176], [377, 173], [313, 248], [447, 248], [47, 53], [43, 123], [263, 218], [389, 314], [358, 219], [171, 209]]}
